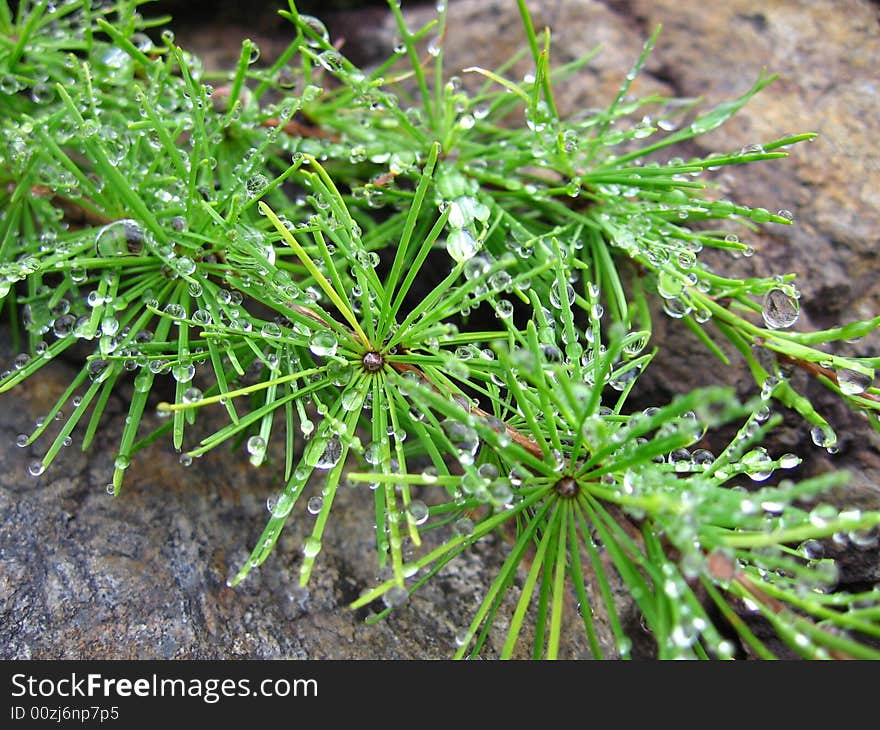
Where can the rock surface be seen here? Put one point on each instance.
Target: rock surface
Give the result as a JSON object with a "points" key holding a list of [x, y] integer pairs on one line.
{"points": [[143, 575]]}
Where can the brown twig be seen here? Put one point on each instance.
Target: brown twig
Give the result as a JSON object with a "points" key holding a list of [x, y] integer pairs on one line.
{"points": [[514, 434], [722, 567], [74, 211], [816, 370]]}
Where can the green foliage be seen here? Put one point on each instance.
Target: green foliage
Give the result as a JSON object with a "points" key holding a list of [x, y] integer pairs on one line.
{"points": [[260, 240]]}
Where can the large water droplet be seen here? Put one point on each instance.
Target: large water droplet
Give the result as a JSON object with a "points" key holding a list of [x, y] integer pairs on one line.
{"points": [[822, 514], [192, 395], [324, 454], [183, 372], [780, 310], [323, 343], [461, 246], [669, 285], [853, 382], [256, 445], [395, 596], [789, 461], [824, 437], [120, 237], [255, 185], [757, 463], [418, 512], [63, 325], [463, 526], [184, 265], [317, 27], [311, 547], [332, 60], [282, 505]]}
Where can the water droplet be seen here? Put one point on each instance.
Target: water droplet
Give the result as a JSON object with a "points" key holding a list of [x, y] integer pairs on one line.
{"points": [[89, 128], [500, 492], [332, 61], [853, 382], [772, 508], [120, 237], [323, 343], [822, 514], [864, 538], [270, 329], [757, 463], [395, 597], [789, 461], [99, 370], [780, 310], [63, 325], [192, 395], [35, 468], [314, 25], [812, 549], [122, 462], [312, 546], [330, 455], [142, 382], [676, 308], [314, 505], [281, 506], [463, 526], [669, 285], [175, 311], [823, 436], [256, 446], [184, 265], [504, 308], [418, 512], [461, 246], [255, 185], [183, 372], [462, 637]]}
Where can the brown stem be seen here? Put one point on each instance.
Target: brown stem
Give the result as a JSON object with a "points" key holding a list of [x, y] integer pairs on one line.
{"points": [[816, 370], [74, 211], [514, 434], [775, 605]]}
